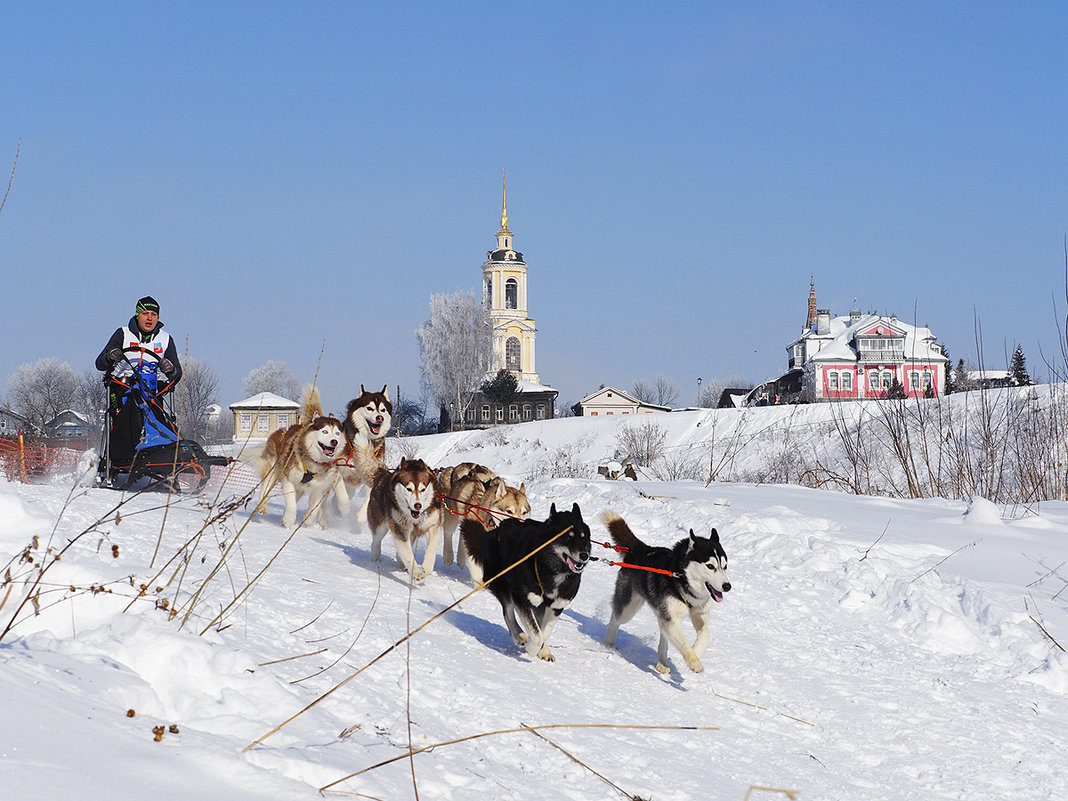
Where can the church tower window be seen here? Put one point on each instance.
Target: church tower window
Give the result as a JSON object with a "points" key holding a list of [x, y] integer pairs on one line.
{"points": [[511, 294], [511, 354]]}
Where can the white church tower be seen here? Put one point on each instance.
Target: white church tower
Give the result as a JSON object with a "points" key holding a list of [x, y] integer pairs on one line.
{"points": [[504, 284]]}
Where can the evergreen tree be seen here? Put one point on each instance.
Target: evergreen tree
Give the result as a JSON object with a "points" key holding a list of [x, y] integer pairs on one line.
{"points": [[1018, 368], [897, 390], [502, 388], [960, 377]]}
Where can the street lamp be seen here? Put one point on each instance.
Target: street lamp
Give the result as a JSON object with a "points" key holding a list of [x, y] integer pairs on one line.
{"points": [[698, 393]]}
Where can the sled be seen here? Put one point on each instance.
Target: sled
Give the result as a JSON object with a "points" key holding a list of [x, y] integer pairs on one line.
{"points": [[160, 455]]}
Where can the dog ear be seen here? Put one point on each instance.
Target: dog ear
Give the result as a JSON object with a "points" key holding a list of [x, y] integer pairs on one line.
{"points": [[385, 391], [714, 535], [362, 390], [403, 463], [523, 488], [576, 511], [552, 509]]}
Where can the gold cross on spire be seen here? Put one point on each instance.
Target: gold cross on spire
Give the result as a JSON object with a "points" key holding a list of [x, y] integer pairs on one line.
{"points": [[504, 204]]}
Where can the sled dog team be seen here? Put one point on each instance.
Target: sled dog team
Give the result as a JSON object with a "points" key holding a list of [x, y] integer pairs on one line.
{"points": [[543, 560]]}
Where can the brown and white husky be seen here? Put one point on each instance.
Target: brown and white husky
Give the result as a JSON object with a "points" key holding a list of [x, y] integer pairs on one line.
{"points": [[405, 502], [302, 460], [367, 421], [472, 490]]}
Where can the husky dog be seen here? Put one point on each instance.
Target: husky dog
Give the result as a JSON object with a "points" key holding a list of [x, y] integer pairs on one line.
{"points": [[698, 577], [407, 503], [302, 459], [471, 490], [539, 588], [367, 421]]}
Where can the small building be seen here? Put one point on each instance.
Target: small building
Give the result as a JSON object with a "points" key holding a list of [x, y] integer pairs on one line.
{"points": [[612, 401], [67, 423], [532, 402], [256, 417], [11, 423]]}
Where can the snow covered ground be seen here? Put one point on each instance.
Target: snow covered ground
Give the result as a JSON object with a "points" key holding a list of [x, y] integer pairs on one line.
{"points": [[870, 649]]}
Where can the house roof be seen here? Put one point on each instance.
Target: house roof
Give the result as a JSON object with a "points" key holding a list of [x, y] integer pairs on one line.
{"points": [[265, 400], [840, 339], [530, 386]]}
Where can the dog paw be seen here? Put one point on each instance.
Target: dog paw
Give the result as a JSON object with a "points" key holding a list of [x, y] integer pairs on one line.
{"points": [[546, 654], [662, 668], [695, 665], [418, 574]]}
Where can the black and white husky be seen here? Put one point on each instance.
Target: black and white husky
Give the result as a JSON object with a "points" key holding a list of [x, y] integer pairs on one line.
{"points": [[539, 588], [695, 578]]}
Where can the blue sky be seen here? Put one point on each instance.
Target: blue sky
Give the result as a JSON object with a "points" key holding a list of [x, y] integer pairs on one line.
{"points": [[294, 178]]}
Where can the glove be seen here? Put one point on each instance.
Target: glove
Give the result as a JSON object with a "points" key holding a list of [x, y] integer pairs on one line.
{"points": [[114, 355], [166, 367]]}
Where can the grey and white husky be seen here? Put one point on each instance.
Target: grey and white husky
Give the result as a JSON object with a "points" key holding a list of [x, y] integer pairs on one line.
{"points": [[694, 577]]}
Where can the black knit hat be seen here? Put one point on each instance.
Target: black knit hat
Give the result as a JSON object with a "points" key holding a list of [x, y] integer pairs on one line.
{"points": [[147, 303]]}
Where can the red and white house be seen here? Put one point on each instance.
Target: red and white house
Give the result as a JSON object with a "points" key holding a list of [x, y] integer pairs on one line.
{"points": [[861, 355]]}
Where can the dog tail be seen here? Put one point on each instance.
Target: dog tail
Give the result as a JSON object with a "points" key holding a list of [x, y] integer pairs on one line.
{"points": [[364, 462], [311, 406], [474, 536], [619, 530]]}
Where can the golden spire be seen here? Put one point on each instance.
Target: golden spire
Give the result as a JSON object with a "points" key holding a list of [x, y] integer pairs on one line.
{"points": [[504, 204]]}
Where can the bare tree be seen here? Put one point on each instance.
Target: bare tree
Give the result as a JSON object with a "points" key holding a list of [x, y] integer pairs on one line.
{"points": [[273, 377], [91, 398], [641, 444], [662, 392], [41, 390], [455, 348], [712, 389], [197, 392]]}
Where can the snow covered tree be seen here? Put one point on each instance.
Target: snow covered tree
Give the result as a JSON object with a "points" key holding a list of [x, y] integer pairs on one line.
{"points": [[41, 390], [273, 377], [455, 349], [1018, 368]]}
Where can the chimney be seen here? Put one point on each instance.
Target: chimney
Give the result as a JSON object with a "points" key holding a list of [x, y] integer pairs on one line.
{"points": [[823, 321]]}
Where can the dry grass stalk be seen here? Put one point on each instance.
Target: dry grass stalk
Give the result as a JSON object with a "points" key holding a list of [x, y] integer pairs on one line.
{"points": [[402, 640]]}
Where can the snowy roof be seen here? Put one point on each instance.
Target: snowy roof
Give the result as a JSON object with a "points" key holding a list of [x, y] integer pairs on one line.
{"points": [[840, 339], [530, 386], [265, 400]]}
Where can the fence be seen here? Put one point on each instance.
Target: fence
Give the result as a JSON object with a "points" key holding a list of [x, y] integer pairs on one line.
{"points": [[22, 462]]}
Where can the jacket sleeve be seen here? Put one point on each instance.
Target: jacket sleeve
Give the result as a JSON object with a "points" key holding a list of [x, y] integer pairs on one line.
{"points": [[116, 341], [172, 354]]}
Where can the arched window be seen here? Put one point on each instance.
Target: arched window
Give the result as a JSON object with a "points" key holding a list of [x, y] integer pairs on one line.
{"points": [[511, 354], [511, 294], [489, 292]]}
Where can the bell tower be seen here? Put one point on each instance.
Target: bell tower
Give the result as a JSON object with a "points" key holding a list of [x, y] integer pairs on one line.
{"points": [[504, 290]]}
